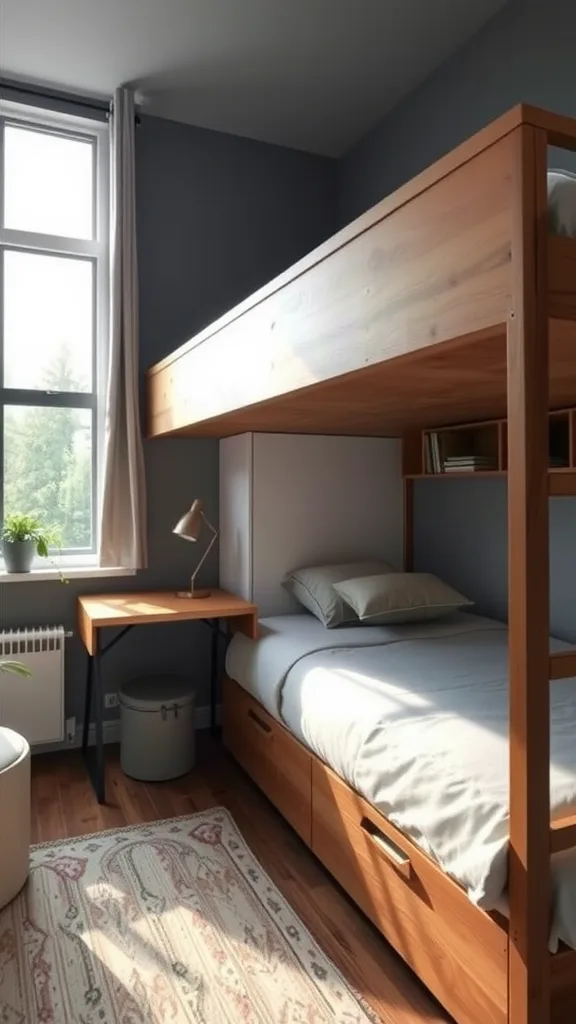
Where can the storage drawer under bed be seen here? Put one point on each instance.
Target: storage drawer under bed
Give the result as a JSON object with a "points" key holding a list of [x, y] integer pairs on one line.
{"points": [[458, 951], [279, 765]]}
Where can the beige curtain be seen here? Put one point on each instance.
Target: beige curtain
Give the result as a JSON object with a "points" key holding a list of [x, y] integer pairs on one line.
{"points": [[123, 522]]}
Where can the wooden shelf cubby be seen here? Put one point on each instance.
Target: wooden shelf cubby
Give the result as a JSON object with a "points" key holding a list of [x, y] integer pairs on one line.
{"points": [[481, 450]]}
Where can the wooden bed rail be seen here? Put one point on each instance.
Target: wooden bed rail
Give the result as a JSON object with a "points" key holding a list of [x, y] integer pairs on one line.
{"points": [[563, 834], [428, 266], [560, 130], [563, 664]]}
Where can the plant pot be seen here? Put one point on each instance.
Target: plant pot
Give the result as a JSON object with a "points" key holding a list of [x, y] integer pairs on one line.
{"points": [[18, 555]]}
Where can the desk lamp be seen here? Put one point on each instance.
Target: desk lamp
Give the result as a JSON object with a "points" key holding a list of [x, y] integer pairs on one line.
{"points": [[190, 528]]}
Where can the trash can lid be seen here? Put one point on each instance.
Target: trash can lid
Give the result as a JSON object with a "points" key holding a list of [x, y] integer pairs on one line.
{"points": [[149, 693], [12, 748]]}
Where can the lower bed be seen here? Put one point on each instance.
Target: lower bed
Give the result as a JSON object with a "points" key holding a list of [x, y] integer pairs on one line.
{"points": [[415, 719]]}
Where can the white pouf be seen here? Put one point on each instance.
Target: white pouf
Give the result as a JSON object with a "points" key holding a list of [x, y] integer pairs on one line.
{"points": [[14, 814], [156, 728]]}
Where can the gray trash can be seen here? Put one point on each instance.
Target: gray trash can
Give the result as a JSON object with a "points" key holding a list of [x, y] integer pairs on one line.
{"points": [[156, 728]]}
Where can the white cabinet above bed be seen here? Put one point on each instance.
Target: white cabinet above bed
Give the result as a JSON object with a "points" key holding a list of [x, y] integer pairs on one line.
{"points": [[288, 500]]}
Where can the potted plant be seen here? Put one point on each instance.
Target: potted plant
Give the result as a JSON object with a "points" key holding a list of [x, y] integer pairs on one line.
{"points": [[24, 536]]}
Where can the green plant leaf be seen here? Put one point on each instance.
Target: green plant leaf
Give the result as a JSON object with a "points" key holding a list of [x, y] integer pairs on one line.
{"points": [[15, 668]]}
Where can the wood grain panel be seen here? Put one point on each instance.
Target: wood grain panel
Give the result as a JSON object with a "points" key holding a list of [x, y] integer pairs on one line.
{"points": [[458, 951], [412, 454], [559, 130], [562, 276], [562, 484], [269, 755], [563, 986], [528, 597], [433, 269], [447, 384], [562, 664], [563, 836], [150, 606], [86, 629]]}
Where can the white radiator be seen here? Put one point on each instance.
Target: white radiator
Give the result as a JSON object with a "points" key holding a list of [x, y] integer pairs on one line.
{"points": [[34, 706]]}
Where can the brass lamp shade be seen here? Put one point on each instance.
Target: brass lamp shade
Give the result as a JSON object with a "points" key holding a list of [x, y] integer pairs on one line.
{"points": [[190, 527]]}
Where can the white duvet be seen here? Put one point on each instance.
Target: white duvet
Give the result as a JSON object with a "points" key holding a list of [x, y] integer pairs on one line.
{"points": [[415, 718]]}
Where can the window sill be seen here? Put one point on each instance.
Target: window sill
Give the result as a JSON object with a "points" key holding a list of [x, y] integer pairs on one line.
{"points": [[76, 572]]}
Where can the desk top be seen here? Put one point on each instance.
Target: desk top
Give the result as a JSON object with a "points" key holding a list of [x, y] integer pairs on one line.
{"points": [[146, 607]]}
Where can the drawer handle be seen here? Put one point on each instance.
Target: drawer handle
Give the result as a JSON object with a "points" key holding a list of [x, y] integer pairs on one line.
{"points": [[262, 726], [392, 853]]}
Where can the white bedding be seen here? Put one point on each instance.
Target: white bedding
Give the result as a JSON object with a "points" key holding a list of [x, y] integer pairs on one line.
{"points": [[562, 202], [416, 719]]}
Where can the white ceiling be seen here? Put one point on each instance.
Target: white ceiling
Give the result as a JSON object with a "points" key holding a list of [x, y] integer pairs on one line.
{"points": [[313, 74]]}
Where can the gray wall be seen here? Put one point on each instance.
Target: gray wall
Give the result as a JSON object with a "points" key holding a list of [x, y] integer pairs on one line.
{"points": [[525, 54], [460, 533], [218, 216]]}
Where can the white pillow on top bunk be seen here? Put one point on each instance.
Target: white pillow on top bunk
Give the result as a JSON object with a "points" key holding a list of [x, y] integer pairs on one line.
{"points": [[562, 202], [399, 597], [313, 588]]}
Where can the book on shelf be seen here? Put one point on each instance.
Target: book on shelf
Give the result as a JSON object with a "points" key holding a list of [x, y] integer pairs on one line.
{"points": [[470, 463], [433, 456], [477, 460], [473, 467]]}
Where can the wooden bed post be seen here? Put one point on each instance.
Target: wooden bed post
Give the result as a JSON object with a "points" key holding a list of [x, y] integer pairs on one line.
{"points": [[530, 891], [408, 525], [412, 464]]}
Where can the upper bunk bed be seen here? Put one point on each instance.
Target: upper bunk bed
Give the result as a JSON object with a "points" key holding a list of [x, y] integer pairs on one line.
{"points": [[399, 321]]}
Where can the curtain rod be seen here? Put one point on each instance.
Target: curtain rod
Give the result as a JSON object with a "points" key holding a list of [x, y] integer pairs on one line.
{"points": [[57, 97]]}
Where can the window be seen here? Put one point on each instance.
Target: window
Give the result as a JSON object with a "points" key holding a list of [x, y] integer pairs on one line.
{"points": [[53, 320]]}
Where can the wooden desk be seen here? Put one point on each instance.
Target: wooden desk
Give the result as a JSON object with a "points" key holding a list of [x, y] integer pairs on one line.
{"points": [[123, 612]]}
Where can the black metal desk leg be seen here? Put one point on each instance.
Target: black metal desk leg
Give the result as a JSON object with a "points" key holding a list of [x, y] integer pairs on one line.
{"points": [[213, 675], [96, 764], [99, 776]]}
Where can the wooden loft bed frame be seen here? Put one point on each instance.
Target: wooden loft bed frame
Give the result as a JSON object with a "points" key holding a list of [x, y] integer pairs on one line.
{"points": [[408, 304], [449, 301]]}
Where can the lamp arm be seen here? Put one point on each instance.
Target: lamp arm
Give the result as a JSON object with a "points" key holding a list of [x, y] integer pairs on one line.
{"points": [[206, 553]]}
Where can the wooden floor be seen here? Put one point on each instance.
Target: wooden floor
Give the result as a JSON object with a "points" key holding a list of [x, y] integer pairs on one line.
{"points": [[63, 804]]}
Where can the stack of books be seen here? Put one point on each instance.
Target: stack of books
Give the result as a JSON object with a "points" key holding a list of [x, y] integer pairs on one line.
{"points": [[469, 463], [437, 462], [557, 462]]}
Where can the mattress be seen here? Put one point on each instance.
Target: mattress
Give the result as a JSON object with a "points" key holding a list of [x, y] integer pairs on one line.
{"points": [[415, 718]]}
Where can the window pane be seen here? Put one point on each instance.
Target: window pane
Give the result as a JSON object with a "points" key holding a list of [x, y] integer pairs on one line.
{"points": [[48, 183], [48, 469], [48, 322]]}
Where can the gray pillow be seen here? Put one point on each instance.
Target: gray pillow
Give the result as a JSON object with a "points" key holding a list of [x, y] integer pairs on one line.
{"points": [[313, 587], [397, 597]]}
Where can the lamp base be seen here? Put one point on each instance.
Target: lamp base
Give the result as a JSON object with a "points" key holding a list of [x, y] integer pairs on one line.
{"points": [[193, 593]]}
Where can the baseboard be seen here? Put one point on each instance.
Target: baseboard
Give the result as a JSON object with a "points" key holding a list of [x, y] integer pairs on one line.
{"points": [[111, 730]]}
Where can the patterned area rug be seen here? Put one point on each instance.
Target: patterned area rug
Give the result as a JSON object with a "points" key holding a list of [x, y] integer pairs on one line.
{"points": [[170, 922]]}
